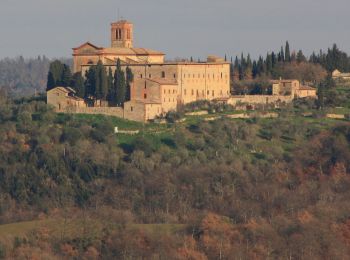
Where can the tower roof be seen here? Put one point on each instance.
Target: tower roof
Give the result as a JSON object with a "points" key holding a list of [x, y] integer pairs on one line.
{"points": [[121, 22]]}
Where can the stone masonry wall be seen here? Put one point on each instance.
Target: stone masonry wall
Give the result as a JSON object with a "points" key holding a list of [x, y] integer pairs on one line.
{"points": [[109, 111], [259, 99]]}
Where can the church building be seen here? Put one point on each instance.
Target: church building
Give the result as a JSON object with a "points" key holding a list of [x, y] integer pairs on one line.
{"points": [[159, 86]]}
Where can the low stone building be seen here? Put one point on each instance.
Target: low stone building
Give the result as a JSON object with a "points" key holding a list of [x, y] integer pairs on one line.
{"points": [[63, 99], [292, 88], [337, 75]]}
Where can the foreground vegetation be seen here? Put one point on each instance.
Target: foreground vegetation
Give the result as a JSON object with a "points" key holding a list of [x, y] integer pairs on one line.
{"points": [[224, 189]]}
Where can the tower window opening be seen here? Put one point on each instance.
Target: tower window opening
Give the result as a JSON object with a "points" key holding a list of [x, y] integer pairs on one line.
{"points": [[163, 74]]}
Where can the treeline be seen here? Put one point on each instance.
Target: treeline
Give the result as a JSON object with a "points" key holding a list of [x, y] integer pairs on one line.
{"points": [[286, 64], [24, 77], [98, 83], [252, 189]]}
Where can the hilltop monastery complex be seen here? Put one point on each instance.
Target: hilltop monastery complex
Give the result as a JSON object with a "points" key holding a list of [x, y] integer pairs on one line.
{"points": [[160, 86]]}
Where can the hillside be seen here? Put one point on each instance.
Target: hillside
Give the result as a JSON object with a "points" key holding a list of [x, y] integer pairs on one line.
{"points": [[204, 187]]}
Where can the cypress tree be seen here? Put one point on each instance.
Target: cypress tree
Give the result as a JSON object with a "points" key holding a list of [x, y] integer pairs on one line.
{"points": [[268, 63], [129, 80], [287, 53], [110, 85], [119, 85], [66, 77], [300, 57], [90, 82], [78, 84], [54, 77], [282, 58]]}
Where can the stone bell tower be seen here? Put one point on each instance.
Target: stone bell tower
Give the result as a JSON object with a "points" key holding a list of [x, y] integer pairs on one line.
{"points": [[122, 34]]}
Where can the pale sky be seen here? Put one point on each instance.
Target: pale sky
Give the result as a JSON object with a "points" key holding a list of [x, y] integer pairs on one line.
{"points": [[180, 28]]}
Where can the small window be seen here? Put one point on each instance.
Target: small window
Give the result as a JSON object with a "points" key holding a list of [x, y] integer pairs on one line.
{"points": [[141, 76], [169, 91], [174, 76], [212, 93], [192, 92], [163, 74], [145, 84], [131, 109], [221, 74], [145, 96], [185, 92], [150, 75]]}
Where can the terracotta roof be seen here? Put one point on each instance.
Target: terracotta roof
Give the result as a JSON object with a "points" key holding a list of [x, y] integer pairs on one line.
{"points": [[121, 22], [64, 89], [88, 44]]}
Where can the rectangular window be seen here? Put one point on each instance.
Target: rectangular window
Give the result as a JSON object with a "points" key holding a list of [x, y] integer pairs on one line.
{"points": [[174, 76], [131, 109], [145, 96], [212, 93], [150, 75]]}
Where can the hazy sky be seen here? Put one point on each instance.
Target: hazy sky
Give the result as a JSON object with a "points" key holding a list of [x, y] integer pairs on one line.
{"points": [[180, 28]]}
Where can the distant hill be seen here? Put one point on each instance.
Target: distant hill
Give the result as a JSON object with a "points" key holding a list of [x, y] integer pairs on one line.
{"points": [[25, 76]]}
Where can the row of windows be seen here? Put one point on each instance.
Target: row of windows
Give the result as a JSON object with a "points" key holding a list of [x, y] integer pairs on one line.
{"points": [[169, 91], [208, 92], [169, 99], [199, 75], [162, 75]]}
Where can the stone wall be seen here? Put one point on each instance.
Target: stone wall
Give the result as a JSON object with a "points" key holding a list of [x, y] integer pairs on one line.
{"points": [[109, 111], [258, 99]]}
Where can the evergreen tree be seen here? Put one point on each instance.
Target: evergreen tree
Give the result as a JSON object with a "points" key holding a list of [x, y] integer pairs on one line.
{"points": [[300, 57], [268, 63], [66, 77], [255, 69], [281, 56], [273, 59], [101, 85], [129, 80], [287, 53], [236, 70], [77, 84], [90, 83], [110, 85], [54, 77], [119, 85]]}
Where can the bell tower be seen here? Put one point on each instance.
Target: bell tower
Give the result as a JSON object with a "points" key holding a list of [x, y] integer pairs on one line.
{"points": [[122, 34]]}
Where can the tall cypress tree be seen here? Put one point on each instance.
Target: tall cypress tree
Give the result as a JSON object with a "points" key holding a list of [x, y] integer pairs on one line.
{"points": [[287, 53], [101, 82], [110, 85], [77, 84], [129, 80], [90, 83], [119, 85], [281, 56], [66, 77]]}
